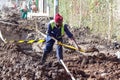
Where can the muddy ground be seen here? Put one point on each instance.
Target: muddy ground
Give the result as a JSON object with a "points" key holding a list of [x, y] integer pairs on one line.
{"points": [[20, 62]]}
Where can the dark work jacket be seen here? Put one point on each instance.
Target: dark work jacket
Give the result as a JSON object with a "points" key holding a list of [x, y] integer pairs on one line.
{"points": [[56, 32]]}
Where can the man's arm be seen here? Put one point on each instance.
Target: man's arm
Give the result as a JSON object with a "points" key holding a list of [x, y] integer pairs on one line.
{"points": [[75, 43], [49, 32], [49, 29], [70, 35]]}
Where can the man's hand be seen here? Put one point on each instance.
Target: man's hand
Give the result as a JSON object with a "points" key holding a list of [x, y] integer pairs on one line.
{"points": [[78, 48], [56, 41], [75, 44]]}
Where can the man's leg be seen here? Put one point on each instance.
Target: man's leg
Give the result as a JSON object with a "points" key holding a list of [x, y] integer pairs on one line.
{"points": [[59, 52], [47, 50], [25, 15]]}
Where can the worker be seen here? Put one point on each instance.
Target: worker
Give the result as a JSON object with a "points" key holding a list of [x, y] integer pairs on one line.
{"points": [[55, 32], [34, 7], [24, 11]]}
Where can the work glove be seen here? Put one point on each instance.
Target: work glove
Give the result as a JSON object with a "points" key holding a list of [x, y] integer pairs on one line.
{"points": [[56, 42], [78, 48]]}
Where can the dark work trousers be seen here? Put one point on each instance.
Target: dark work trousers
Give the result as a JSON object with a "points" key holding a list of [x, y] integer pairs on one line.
{"points": [[48, 49]]}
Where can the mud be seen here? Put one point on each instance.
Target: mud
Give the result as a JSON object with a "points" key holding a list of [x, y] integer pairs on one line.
{"points": [[19, 62]]}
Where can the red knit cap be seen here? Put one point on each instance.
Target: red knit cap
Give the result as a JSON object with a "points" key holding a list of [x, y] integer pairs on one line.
{"points": [[58, 18]]}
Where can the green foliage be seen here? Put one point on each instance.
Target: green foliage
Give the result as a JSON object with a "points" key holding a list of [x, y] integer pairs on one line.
{"points": [[51, 5], [96, 14]]}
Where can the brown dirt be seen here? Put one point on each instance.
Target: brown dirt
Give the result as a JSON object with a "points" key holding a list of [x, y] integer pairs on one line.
{"points": [[16, 63]]}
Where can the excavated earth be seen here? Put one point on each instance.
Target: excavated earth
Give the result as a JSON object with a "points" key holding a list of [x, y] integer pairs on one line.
{"points": [[20, 62]]}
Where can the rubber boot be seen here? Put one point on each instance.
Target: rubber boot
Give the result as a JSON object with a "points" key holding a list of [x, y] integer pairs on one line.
{"points": [[43, 59]]}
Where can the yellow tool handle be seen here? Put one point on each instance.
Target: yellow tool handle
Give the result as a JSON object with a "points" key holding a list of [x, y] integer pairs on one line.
{"points": [[28, 41], [42, 40], [71, 47]]}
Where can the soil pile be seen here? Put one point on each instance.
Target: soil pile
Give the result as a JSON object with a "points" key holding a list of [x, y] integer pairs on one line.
{"points": [[19, 64]]}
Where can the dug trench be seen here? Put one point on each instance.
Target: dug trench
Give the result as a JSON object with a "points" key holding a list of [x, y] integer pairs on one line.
{"points": [[19, 64]]}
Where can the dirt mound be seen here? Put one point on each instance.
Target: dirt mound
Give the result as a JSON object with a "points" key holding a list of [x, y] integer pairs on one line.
{"points": [[13, 29], [18, 62], [15, 64], [98, 67]]}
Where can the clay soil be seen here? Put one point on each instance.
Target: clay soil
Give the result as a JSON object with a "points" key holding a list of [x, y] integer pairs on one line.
{"points": [[17, 63]]}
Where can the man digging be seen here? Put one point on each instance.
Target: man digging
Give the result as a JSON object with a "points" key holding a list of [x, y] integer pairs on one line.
{"points": [[55, 32]]}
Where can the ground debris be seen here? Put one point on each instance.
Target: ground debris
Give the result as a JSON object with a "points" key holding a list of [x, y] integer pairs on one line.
{"points": [[17, 64]]}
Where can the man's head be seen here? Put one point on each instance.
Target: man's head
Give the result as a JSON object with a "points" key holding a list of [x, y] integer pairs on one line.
{"points": [[58, 19]]}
